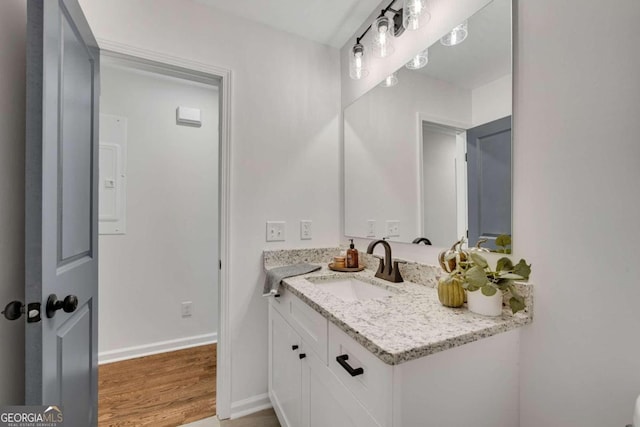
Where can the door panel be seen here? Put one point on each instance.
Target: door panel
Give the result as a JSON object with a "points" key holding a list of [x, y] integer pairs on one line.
{"points": [[75, 139], [285, 369], [489, 179], [61, 208]]}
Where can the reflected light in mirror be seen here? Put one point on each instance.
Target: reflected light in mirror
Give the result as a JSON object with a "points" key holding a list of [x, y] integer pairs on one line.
{"points": [[391, 80], [456, 36], [419, 61]]}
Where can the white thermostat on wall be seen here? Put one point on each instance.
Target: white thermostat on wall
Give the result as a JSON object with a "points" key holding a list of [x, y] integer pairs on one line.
{"points": [[188, 116]]}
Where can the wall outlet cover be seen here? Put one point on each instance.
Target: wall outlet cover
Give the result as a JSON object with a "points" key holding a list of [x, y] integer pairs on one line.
{"points": [[187, 308], [393, 228], [306, 229]]}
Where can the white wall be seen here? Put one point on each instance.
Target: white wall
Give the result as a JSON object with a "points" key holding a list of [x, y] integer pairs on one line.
{"points": [[285, 142], [12, 125], [576, 151], [382, 153], [170, 251], [576, 209], [492, 101]]}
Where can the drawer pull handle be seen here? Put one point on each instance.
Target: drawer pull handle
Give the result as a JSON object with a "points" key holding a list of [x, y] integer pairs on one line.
{"points": [[294, 347], [302, 355], [342, 360]]}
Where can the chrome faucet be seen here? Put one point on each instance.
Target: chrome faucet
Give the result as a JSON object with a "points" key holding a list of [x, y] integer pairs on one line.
{"points": [[387, 269]]}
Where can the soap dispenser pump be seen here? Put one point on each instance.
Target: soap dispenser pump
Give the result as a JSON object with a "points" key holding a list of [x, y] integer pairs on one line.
{"points": [[352, 256]]}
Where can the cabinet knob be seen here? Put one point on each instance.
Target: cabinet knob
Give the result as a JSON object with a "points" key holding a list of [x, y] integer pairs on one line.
{"points": [[302, 355], [294, 347]]}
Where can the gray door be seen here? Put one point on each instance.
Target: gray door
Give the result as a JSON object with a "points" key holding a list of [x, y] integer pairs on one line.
{"points": [[62, 209], [489, 181]]}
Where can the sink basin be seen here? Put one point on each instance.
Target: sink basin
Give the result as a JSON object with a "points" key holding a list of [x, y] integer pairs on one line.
{"points": [[351, 289]]}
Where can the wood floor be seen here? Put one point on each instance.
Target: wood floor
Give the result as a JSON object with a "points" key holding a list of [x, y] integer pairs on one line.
{"points": [[168, 389]]}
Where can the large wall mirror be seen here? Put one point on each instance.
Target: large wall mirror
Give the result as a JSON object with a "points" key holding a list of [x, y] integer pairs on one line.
{"points": [[430, 156]]}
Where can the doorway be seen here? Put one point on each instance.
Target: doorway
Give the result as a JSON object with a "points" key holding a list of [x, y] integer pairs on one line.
{"points": [[159, 242]]}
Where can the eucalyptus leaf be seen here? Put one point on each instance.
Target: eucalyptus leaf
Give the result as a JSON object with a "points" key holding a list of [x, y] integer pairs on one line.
{"points": [[479, 260], [510, 276], [488, 290], [476, 276], [522, 269], [503, 240], [471, 288], [503, 264], [516, 305]]}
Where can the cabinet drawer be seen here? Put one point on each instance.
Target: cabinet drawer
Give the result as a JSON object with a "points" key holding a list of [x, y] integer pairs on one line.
{"points": [[373, 387], [308, 323]]}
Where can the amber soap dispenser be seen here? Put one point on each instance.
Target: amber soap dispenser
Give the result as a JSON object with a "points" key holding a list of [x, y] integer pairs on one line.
{"points": [[352, 256]]}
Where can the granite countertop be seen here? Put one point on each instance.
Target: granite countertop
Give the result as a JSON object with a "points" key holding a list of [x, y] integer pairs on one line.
{"points": [[409, 324]]}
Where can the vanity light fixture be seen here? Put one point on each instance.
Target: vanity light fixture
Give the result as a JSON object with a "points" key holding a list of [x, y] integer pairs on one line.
{"points": [[419, 61], [357, 62], [415, 11], [455, 36], [391, 80], [382, 41], [385, 29]]}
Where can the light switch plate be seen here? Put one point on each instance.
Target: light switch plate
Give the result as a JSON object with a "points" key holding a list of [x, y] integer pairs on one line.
{"points": [[305, 229], [393, 228], [275, 231], [371, 228]]}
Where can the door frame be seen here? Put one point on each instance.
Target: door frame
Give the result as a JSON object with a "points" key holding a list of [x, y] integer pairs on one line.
{"points": [[199, 69], [461, 128]]}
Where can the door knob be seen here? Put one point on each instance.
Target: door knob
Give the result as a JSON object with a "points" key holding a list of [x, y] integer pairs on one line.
{"points": [[68, 305], [15, 309]]}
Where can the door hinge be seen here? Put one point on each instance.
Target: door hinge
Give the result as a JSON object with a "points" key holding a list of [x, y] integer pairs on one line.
{"points": [[220, 264], [466, 157], [467, 234]]}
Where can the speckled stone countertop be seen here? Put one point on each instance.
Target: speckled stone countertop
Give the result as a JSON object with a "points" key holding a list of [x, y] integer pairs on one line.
{"points": [[407, 325]]}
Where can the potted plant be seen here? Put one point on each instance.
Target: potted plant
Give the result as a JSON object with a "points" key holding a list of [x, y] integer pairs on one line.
{"points": [[471, 271]]}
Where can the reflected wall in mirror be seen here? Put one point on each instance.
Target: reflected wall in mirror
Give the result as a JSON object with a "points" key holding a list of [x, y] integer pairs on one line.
{"points": [[431, 156]]}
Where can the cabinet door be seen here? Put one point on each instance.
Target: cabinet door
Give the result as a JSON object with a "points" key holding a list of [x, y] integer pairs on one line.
{"points": [[284, 370], [326, 401]]}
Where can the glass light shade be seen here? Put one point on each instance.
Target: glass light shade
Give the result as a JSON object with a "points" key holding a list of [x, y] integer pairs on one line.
{"points": [[391, 80], [382, 40], [419, 61], [415, 13], [456, 36], [357, 62]]}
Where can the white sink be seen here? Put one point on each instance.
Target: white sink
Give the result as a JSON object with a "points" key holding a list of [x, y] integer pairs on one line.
{"points": [[351, 289]]}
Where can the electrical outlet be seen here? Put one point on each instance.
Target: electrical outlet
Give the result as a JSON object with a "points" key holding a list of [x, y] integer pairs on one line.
{"points": [[275, 231], [305, 229], [393, 228], [187, 306], [371, 228]]}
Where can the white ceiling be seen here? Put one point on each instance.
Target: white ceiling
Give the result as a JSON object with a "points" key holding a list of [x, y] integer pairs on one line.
{"points": [[483, 57], [330, 22]]}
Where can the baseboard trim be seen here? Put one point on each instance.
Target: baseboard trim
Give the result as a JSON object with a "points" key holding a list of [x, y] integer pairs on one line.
{"points": [[248, 406], [155, 348]]}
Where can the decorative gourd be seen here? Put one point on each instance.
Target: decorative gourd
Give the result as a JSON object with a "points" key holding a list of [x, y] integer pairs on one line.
{"points": [[449, 259], [450, 292]]}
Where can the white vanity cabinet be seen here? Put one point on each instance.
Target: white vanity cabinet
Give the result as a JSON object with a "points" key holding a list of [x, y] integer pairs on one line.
{"points": [[302, 389], [471, 385]]}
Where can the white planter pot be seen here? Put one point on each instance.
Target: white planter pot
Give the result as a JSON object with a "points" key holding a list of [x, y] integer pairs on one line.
{"points": [[482, 304]]}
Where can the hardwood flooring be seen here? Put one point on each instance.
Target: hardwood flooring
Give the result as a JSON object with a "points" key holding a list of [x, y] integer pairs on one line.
{"points": [[168, 389]]}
